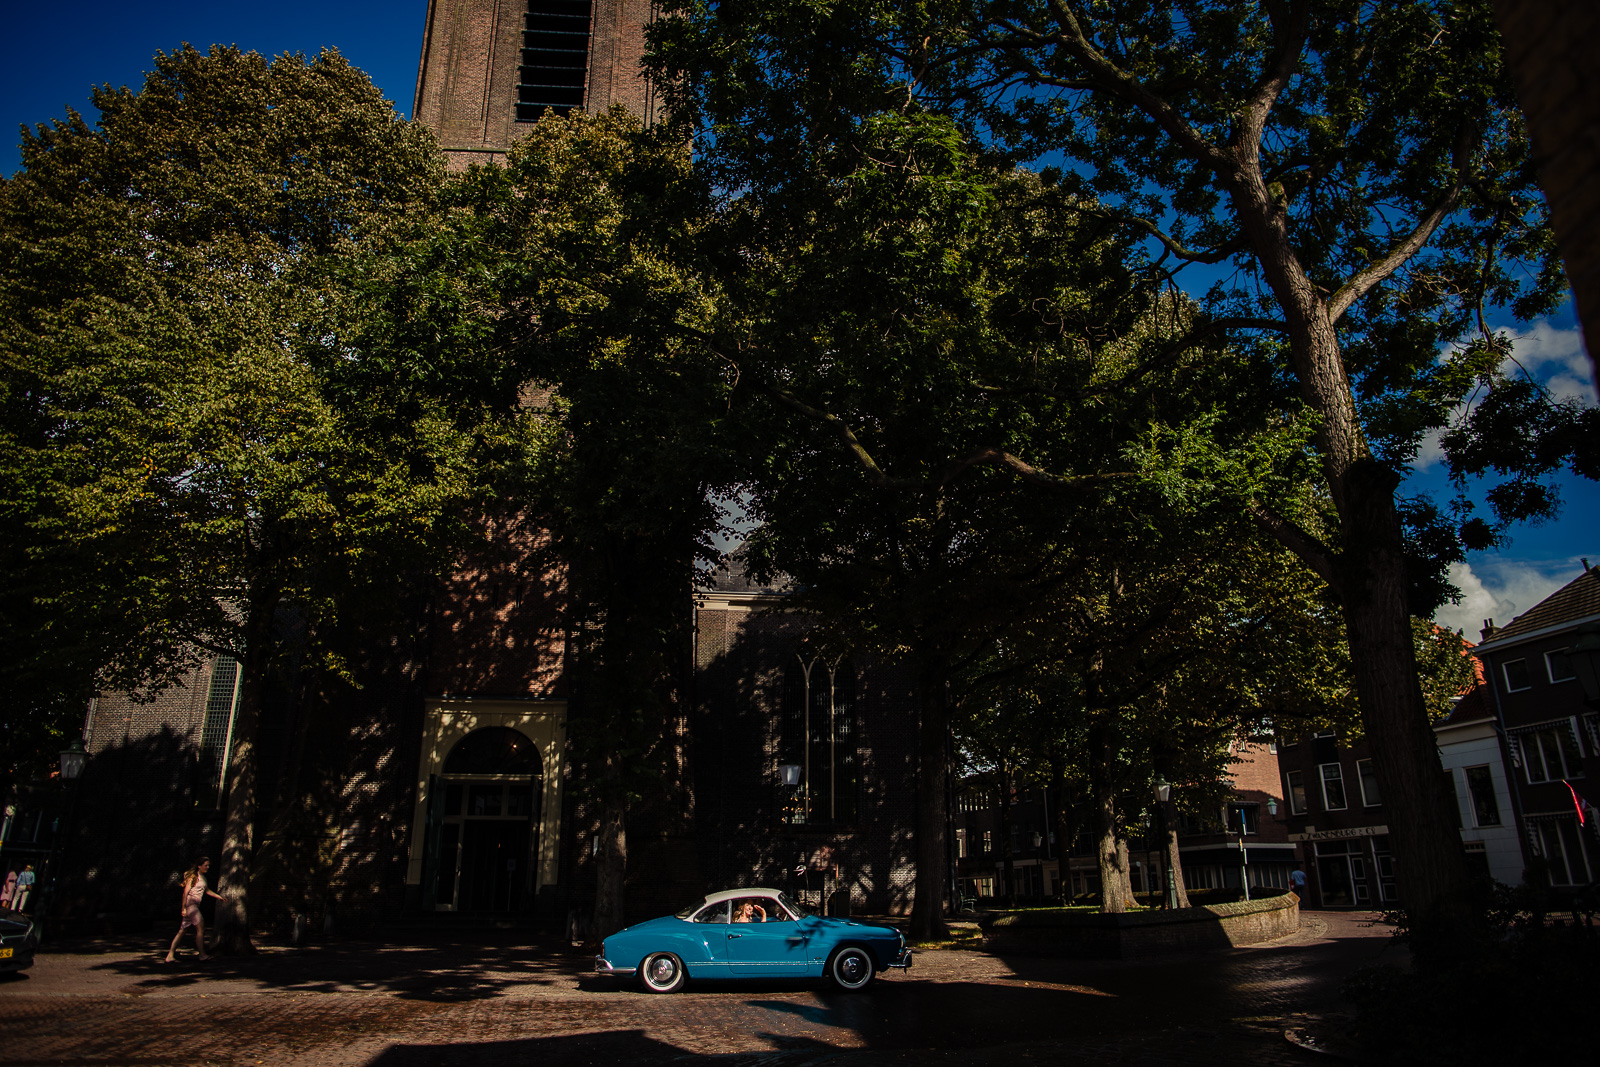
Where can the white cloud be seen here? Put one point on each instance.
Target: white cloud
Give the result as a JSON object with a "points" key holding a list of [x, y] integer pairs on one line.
{"points": [[1501, 590], [1555, 358]]}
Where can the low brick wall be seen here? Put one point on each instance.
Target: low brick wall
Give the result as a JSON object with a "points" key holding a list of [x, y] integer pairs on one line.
{"points": [[1087, 935]]}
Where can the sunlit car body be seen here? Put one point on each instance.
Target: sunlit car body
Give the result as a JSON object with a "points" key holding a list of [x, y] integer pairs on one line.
{"points": [[751, 933], [18, 938]]}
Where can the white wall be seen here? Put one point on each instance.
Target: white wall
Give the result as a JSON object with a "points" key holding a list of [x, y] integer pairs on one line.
{"points": [[1473, 745]]}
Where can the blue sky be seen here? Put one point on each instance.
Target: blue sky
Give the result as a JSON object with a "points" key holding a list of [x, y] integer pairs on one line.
{"points": [[114, 42]]}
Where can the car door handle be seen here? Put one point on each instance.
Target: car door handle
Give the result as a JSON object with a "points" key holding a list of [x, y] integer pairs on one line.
{"points": [[732, 936]]}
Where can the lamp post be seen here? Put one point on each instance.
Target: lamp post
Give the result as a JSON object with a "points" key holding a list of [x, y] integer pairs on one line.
{"points": [[1163, 793], [1244, 863], [73, 759], [791, 780]]}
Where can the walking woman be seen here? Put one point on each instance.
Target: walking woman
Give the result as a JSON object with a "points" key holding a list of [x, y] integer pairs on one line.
{"points": [[194, 891]]}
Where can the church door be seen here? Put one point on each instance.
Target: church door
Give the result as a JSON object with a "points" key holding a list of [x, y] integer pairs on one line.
{"points": [[488, 824]]}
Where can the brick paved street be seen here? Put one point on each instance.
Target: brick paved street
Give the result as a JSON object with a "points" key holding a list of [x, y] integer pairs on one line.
{"points": [[436, 1001]]}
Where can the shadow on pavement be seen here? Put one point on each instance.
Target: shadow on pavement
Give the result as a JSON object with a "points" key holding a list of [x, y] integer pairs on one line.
{"points": [[435, 969]]}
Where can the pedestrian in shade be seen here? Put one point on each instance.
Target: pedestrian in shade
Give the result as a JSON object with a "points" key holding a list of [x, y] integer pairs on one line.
{"points": [[194, 892], [19, 899]]}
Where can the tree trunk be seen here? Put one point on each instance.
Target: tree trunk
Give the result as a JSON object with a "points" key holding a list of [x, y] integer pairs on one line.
{"points": [[238, 837], [1125, 868], [1368, 575], [1113, 891], [1431, 865], [1174, 861], [611, 870], [933, 771]]}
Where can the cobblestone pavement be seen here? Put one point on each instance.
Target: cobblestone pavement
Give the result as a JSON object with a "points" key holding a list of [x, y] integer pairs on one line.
{"points": [[443, 1002]]}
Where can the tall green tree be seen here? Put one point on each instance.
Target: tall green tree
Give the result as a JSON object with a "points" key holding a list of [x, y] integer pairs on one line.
{"points": [[1357, 178], [215, 440], [604, 288]]}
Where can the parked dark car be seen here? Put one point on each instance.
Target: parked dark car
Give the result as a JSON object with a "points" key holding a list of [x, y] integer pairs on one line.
{"points": [[18, 938]]}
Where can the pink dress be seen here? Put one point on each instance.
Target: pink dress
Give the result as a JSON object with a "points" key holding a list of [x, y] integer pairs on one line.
{"points": [[191, 902]]}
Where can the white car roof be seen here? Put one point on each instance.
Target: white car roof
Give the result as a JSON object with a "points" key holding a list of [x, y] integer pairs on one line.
{"points": [[732, 894]]}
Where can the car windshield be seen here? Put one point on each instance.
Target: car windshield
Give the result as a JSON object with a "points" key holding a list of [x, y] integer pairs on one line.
{"points": [[795, 906], [688, 909]]}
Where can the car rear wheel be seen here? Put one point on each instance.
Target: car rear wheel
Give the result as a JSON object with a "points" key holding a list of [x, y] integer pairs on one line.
{"points": [[662, 972], [850, 968]]}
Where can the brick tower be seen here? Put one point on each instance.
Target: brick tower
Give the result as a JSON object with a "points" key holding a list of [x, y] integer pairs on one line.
{"points": [[491, 68]]}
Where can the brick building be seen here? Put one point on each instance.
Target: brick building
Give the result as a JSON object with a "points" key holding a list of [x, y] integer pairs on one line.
{"points": [[1046, 868], [491, 68], [1335, 813], [1540, 669], [1248, 842]]}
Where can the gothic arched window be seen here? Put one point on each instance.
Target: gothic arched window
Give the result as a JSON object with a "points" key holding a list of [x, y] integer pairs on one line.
{"points": [[818, 735]]}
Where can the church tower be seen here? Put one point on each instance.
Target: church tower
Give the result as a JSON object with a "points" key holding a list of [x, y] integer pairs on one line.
{"points": [[491, 68]]}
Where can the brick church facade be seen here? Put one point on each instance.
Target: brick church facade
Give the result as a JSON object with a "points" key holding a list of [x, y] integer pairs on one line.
{"points": [[441, 782]]}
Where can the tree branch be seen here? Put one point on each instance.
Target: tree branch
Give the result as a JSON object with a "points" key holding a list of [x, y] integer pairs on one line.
{"points": [[1115, 80], [1408, 246], [1312, 552], [1172, 244], [1288, 42], [878, 479]]}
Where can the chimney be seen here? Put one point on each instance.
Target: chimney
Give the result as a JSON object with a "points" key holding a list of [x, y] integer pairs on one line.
{"points": [[1487, 631]]}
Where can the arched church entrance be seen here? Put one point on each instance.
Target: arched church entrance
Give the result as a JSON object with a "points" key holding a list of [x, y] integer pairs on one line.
{"points": [[485, 814]]}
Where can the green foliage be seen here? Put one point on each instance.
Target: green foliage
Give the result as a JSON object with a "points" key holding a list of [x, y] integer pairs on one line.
{"points": [[204, 419], [593, 250], [1394, 170]]}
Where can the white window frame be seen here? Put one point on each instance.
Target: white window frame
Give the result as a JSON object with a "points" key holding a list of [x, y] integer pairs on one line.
{"points": [[1472, 798], [1322, 776], [1550, 667], [1528, 753], [1289, 780], [1505, 676], [1361, 779]]}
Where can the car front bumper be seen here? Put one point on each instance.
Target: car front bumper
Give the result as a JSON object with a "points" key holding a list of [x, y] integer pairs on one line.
{"points": [[603, 966], [902, 959], [19, 960]]}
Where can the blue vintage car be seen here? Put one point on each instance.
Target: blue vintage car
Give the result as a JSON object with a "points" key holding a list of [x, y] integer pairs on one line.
{"points": [[751, 933]]}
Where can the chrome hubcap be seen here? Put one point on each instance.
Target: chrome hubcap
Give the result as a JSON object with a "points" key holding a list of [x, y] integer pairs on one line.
{"points": [[851, 968], [662, 970]]}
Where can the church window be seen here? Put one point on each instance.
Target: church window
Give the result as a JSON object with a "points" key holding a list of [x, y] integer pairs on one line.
{"points": [[555, 58], [216, 732], [818, 735]]}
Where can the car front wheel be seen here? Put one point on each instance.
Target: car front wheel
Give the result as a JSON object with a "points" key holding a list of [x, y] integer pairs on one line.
{"points": [[850, 968], [662, 972]]}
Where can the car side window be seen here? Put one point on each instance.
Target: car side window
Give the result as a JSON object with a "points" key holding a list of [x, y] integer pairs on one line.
{"points": [[716, 913]]}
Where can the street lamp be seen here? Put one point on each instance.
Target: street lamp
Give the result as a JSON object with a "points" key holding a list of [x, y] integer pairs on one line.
{"points": [[1163, 793], [72, 761], [1272, 806], [790, 775]]}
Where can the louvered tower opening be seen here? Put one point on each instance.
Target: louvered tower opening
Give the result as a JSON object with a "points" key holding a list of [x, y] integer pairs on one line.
{"points": [[555, 58]]}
